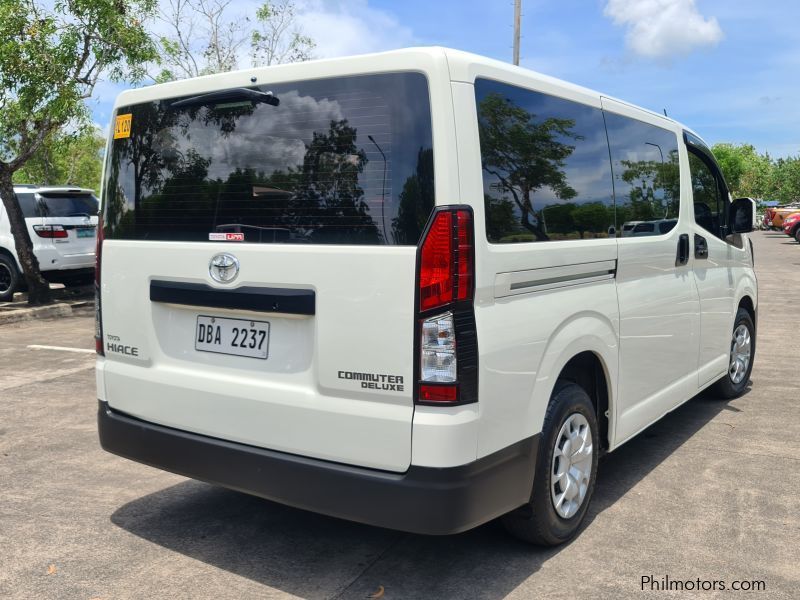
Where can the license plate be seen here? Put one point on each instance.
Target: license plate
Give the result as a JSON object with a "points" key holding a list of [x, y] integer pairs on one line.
{"points": [[238, 337], [86, 232]]}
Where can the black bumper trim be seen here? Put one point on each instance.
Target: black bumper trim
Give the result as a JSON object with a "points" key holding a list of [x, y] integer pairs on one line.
{"points": [[422, 500], [276, 300]]}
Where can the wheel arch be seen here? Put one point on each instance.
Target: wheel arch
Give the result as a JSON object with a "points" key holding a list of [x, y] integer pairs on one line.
{"points": [[585, 351]]}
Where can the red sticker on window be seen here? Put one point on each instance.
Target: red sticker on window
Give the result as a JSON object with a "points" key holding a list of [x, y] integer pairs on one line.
{"points": [[226, 237]]}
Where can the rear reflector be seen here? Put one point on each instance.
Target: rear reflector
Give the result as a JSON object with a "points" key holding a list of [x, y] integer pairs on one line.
{"points": [[438, 393]]}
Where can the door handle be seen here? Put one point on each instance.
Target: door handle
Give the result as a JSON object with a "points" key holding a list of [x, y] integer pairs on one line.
{"points": [[683, 250], [700, 246]]}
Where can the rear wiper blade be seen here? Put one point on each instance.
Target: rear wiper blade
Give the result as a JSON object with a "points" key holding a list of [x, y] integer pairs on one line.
{"points": [[232, 95]]}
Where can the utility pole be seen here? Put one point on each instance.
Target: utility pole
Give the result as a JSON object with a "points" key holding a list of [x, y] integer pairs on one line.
{"points": [[517, 15]]}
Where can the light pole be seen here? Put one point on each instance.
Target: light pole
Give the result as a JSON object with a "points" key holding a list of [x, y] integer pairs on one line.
{"points": [[517, 15], [383, 188]]}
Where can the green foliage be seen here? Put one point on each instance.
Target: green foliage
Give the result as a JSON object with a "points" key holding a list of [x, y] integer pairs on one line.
{"points": [[206, 36], [75, 160], [51, 56], [751, 174]]}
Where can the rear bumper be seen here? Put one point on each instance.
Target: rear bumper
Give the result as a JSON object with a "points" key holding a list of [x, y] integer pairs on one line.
{"points": [[435, 501], [67, 275]]}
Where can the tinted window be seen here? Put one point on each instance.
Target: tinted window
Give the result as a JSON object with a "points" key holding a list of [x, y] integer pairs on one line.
{"points": [[644, 159], [27, 202], [346, 160], [706, 194], [546, 173], [61, 205]]}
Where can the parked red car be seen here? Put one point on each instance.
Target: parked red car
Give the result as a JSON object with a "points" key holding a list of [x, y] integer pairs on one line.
{"points": [[791, 226]]}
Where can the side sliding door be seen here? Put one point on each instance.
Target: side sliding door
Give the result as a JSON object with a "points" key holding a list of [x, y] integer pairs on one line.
{"points": [[658, 301]]}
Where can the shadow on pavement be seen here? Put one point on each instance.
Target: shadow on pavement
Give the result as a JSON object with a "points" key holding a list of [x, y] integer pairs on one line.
{"points": [[313, 556]]}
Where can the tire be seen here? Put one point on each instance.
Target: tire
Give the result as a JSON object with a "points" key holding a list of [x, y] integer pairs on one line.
{"points": [[10, 278], [797, 234], [540, 522], [734, 382]]}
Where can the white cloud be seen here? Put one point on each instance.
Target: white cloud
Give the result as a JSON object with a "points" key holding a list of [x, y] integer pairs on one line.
{"points": [[663, 28], [343, 27]]}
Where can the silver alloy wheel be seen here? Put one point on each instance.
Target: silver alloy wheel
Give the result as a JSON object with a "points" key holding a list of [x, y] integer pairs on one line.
{"points": [[6, 277], [572, 465], [741, 348]]}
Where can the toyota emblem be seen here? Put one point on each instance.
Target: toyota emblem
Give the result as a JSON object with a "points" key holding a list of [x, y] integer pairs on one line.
{"points": [[223, 268]]}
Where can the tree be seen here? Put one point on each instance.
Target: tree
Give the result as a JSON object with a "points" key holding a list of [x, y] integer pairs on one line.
{"points": [[206, 36], [278, 39], [203, 38], [51, 57], [525, 154], [66, 159], [746, 172]]}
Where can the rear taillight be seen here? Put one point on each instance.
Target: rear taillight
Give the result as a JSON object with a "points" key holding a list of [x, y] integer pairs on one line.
{"points": [[447, 362], [98, 315], [50, 231]]}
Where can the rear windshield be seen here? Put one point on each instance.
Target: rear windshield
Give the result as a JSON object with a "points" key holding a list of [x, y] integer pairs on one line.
{"points": [[339, 161], [55, 204]]}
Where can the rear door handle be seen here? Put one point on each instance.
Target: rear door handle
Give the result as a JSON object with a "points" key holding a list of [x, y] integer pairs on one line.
{"points": [[700, 246], [683, 250]]}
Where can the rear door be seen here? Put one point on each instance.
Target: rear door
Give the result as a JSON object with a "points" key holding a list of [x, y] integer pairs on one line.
{"points": [[258, 270], [71, 216]]}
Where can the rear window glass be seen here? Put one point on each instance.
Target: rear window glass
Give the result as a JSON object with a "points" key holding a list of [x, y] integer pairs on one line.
{"points": [[60, 205], [57, 205], [339, 161]]}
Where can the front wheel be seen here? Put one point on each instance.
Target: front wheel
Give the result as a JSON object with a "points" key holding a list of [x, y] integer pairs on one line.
{"points": [[797, 234], [9, 278], [740, 364], [566, 469]]}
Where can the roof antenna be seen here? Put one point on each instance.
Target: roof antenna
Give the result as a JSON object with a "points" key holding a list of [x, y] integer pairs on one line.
{"points": [[665, 112]]}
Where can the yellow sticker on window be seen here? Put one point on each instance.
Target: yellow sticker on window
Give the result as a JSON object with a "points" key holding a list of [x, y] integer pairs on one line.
{"points": [[122, 127]]}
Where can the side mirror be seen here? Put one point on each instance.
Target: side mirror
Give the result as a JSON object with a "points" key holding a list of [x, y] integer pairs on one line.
{"points": [[741, 215]]}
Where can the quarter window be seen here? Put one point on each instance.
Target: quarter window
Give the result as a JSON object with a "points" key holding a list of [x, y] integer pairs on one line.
{"points": [[706, 194], [546, 173]]}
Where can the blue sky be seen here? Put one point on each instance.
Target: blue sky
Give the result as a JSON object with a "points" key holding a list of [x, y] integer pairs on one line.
{"points": [[730, 69]]}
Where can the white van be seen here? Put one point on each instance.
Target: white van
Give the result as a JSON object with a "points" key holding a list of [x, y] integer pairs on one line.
{"points": [[61, 223], [393, 288]]}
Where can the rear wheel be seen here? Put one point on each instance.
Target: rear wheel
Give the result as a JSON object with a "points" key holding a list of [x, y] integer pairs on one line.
{"points": [[740, 364], [9, 278], [566, 470]]}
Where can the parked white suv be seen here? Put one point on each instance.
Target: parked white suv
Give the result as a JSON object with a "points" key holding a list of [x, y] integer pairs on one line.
{"points": [[392, 288], [61, 223]]}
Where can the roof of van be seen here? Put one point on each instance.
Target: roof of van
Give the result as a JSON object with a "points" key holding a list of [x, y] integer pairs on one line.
{"points": [[457, 62]]}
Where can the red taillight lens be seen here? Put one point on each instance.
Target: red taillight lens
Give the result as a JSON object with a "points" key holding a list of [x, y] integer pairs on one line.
{"points": [[50, 231], [446, 260], [438, 393], [98, 322]]}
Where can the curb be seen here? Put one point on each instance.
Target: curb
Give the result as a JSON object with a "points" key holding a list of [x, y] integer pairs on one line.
{"points": [[35, 312]]}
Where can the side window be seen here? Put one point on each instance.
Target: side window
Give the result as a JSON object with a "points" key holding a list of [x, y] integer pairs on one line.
{"points": [[708, 204], [644, 160], [28, 205], [546, 173]]}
